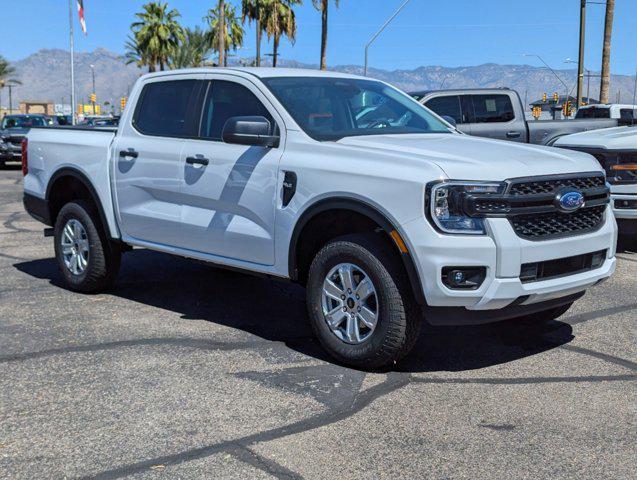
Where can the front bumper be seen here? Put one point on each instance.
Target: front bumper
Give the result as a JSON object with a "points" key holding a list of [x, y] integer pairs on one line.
{"points": [[503, 253], [11, 155]]}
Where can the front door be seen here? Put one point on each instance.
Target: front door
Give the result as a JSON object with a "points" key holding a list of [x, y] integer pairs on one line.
{"points": [[147, 168], [229, 192], [492, 116]]}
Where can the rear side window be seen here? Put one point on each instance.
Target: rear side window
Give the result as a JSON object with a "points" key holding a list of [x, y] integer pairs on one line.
{"points": [[166, 109], [492, 108], [446, 106], [593, 112], [225, 100]]}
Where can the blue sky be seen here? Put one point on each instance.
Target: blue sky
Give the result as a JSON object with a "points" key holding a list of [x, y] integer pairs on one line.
{"points": [[427, 32]]}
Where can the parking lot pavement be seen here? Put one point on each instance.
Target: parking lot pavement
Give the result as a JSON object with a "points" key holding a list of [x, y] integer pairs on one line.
{"points": [[186, 371]]}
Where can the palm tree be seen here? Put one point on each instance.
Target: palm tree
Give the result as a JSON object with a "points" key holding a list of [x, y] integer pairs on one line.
{"points": [[279, 19], [322, 6], [156, 34], [193, 51], [608, 31], [253, 10], [233, 37], [6, 71], [134, 53]]}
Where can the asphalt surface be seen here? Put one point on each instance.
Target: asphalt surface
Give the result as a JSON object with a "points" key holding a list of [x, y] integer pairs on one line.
{"points": [[186, 371]]}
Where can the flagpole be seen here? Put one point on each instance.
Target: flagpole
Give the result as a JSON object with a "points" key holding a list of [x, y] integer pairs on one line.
{"points": [[72, 63]]}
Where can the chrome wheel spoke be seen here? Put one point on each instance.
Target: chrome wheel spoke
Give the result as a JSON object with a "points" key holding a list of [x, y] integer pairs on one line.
{"points": [[350, 303], [331, 290], [75, 247], [353, 332], [365, 288], [367, 317], [347, 279]]}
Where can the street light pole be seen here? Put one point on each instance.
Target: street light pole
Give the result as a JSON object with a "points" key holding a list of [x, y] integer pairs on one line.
{"points": [[580, 60], [72, 61], [380, 30]]}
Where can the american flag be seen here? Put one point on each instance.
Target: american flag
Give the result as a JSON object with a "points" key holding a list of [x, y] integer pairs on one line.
{"points": [[80, 12]]}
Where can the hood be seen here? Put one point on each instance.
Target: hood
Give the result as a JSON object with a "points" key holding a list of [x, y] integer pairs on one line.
{"points": [[618, 138], [14, 132], [463, 157]]}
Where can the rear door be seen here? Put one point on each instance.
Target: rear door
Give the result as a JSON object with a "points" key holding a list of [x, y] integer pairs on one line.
{"points": [[229, 192], [450, 106], [493, 116], [147, 170]]}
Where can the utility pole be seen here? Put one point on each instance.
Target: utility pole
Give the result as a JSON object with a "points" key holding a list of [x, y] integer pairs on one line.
{"points": [[222, 33], [72, 60], [10, 98], [580, 61], [93, 95], [380, 30]]}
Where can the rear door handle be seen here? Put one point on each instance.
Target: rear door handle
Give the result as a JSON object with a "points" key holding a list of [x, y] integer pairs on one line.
{"points": [[130, 153], [198, 160], [513, 134]]}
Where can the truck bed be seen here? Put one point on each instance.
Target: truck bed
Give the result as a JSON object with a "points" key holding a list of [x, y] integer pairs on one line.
{"points": [[85, 151]]}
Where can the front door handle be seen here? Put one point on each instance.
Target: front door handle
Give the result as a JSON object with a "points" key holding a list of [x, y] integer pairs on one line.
{"points": [[198, 160], [513, 134], [130, 153]]}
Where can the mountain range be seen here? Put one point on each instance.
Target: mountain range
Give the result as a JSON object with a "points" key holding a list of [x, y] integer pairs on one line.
{"points": [[45, 77]]}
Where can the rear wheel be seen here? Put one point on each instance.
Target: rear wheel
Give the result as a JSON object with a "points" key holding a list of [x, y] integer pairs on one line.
{"points": [[360, 304], [89, 261]]}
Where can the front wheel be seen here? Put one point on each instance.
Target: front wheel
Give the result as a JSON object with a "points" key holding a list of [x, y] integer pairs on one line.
{"points": [[360, 304], [89, 261]]}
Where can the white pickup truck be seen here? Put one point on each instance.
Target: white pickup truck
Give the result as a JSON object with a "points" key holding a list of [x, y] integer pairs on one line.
{"points": [[616, 150], [382, 209]]}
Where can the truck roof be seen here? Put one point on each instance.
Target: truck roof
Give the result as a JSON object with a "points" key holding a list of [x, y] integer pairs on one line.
{"points": [[260, 72]]}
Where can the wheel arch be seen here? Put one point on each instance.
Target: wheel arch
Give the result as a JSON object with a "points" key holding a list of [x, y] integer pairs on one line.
{"points": [[365, 209], [77, 175]]}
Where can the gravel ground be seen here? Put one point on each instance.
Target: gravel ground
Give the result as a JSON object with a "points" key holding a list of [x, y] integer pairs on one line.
{"points": [[186, 371]]}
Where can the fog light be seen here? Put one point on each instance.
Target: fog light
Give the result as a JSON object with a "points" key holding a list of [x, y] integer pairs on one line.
{"points": [[598, 259], [528, 273], [463, 278]]}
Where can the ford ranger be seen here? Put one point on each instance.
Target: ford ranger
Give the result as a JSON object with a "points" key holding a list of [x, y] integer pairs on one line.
{"points": [[616, 150], [344, 184]]}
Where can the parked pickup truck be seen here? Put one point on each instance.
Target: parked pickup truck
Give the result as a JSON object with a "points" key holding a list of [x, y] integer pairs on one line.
{"points": [[499, 113], [616, 150], [341, 183], [13, 129]]}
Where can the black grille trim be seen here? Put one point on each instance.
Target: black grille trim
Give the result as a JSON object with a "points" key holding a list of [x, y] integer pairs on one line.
{"points": [[557, 225], [530, 205], [560, 267]]}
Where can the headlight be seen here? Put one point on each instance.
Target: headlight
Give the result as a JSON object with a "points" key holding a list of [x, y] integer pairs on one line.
{"points": [[445, 205]]}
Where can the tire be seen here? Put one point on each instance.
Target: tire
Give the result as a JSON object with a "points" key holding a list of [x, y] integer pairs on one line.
{"points": [[545, 316], [100, 258], [397, 316]]}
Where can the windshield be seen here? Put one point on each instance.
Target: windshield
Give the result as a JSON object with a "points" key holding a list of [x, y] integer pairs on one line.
{"points": [[333, 108], [593, 112], [22, 122]]}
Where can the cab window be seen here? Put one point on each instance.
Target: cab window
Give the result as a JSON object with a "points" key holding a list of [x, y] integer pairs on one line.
{"points": [[448, 105], [492, 108]]}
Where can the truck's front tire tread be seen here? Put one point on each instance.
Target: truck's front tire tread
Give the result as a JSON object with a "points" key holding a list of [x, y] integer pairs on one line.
{"points": [[399, 316]]}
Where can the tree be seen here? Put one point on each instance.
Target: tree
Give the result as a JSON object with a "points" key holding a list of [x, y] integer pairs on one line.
{"points": [[253, 10], [322, 6], [233, 37], [156, 34], [278, 20], [193, 51], [6, 79], [608, 31]]}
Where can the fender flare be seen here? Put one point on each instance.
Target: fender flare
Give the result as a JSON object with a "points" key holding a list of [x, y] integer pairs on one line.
{"points": [[84, 180], [363, 208]]}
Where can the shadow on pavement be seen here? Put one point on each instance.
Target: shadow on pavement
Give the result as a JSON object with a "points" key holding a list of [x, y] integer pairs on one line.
{"points": [[274, 310]]}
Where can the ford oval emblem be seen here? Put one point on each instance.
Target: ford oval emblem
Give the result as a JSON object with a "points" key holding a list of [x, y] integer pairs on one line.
{"points": [[569, 200]]}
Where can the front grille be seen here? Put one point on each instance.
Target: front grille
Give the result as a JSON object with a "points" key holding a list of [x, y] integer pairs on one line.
{"points": [[556, 224], [549, 186], [560, 267]]}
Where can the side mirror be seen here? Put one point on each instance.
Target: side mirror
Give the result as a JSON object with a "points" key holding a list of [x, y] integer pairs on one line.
{"points": [[254, 131], [450, 120]]}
